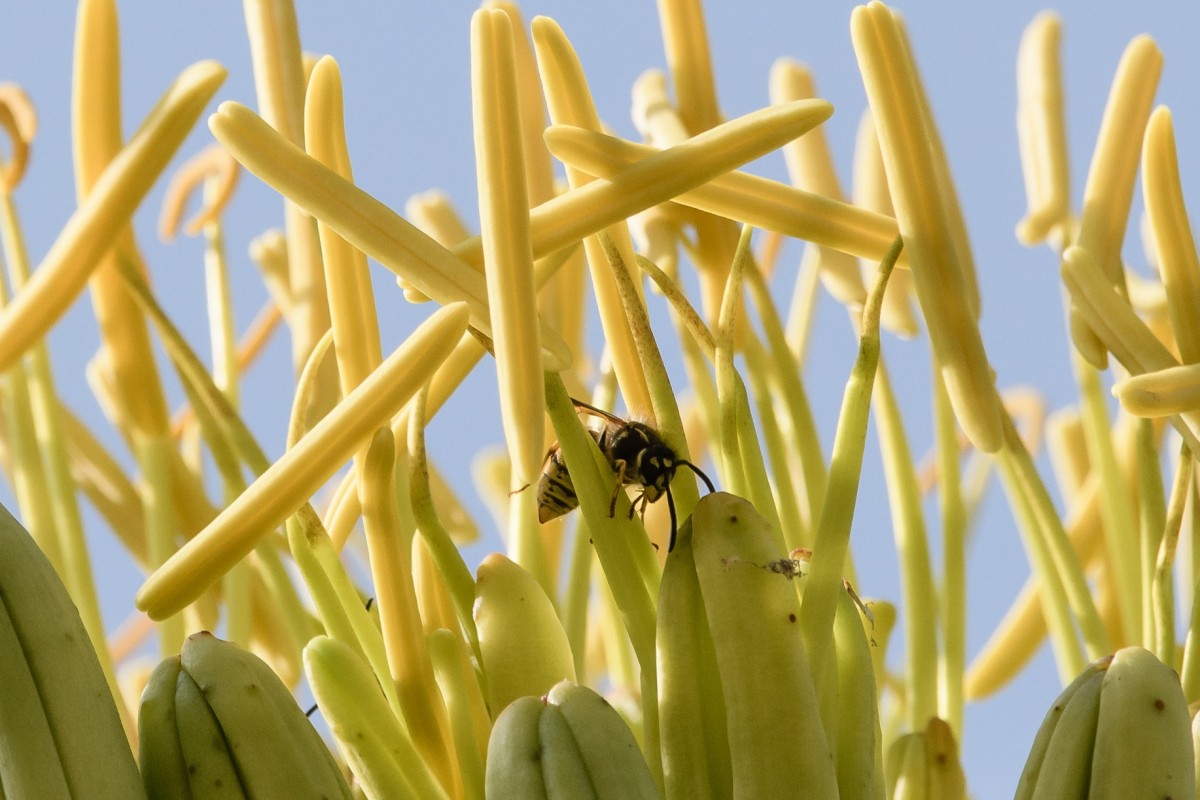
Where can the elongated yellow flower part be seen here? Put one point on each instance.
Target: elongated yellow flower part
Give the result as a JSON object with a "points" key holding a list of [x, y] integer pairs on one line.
{"points": [[1110, 182], [19, 119], [347, 281], [925, 213], [99, 219], [1161, 393], [810, 166], [685, 41], [280, 78], [212, 162], [570, 102], [291, 480], [1119, 329], [755, 201], [508, 253], [569, 217], [96, 141], [1041, 130], [1174, 246], [1109, 314], [363, 220], [1109, 191]]}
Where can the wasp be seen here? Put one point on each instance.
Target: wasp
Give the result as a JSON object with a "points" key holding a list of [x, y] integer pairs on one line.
{"points": [[637, 454]]}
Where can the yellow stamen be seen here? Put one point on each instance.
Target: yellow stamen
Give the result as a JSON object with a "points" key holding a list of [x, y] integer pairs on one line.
{"points": [[1161, 393], [570, 102], [1042, 131], [664, 175], [291, 480], [512, 296], [364, 221], [926, 211], [755, 201], [1110, 182], [212, 162], [1175, 249], [19, 119], [108, 208]]}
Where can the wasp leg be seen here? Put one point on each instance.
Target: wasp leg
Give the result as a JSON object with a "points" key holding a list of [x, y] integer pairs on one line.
{"points": [[633, 507], [612, 505]]}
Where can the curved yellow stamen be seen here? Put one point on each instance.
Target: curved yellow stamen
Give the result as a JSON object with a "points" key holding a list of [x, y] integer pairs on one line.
{"points": [[19, 119], [107, 209], [212, 162], [662, 176]]}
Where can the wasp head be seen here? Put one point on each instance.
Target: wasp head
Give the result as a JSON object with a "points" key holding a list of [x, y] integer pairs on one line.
{"points": [[648, 460]]}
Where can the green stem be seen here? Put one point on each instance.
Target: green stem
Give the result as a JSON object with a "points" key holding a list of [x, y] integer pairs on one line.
{"points": [[1120, 526], [779, 447], [912, 546], [160, 527], [745, 470], [953, 602], [1152, 521], [832, 540], [787, 372], [574, 608], [613, 537], [454, 570], [1064, 566], [1164, 591]]}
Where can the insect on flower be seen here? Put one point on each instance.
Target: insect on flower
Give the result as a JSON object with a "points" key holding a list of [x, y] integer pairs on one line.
{"points": [[637, 454]]}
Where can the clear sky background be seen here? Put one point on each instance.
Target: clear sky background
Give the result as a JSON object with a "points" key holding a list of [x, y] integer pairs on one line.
{"points": [[405, 67]]}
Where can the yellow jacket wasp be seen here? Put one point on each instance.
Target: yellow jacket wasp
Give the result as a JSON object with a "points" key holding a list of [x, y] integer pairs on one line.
{"points": [[637, 454]]}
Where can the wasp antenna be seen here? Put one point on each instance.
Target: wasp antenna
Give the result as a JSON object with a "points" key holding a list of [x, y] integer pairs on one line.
{"points": [[698, 471], [671, 508]]}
